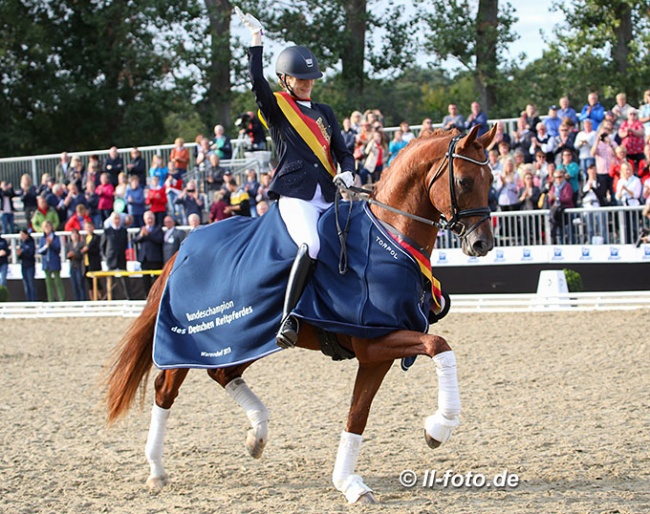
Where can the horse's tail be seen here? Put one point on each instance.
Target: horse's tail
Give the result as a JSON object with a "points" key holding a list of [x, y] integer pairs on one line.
{"points": [[131, 359]]}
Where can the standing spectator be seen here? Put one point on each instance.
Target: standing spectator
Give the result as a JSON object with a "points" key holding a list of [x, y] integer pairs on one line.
{"points": [[214, 173], [363, 138], [644, 165], [349, 134], [4, 260], [540, 169], [120, 188], [156, 199], [56, 199], [27, 254], [262, 208], [426, 129], [42, 214], [584, 142], [92, 253], [495, 165], [604, 153], [158, 169], [572, 173], [628, 193], [560, 197], [567, 112], [75, 258], [105, 191], [73, 199], [113, 165], [194, 221], [92, 199], [150, 241], [50, 250], [499, 136], [204, 151], [77, 172], [221, 144], [251, 186], [529, 193], [594, 196], [61, 169], [620, 157], [190, 200], [7, 195], [593, 110], [263, 190], [396, 145], [541, 140], [644, 113], [179, 157], [374, 163], [553, 122], [453, 120], [530, 119], [114, 243], [172, 239], [218, 209], [135, 201], [508, 185], [631, 135], [173, 188], [477, 117], [239, 200], [28, 195], [91, 175], [137, 166], [621, 110], [253, 131]]}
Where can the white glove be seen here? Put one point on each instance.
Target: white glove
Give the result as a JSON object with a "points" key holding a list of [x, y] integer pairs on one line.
{"points": [[344, 180], [250, 21]]}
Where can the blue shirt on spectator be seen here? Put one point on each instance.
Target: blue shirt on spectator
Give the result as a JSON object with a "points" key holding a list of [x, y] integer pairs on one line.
{"points": [[596, 115], [135, 200]]}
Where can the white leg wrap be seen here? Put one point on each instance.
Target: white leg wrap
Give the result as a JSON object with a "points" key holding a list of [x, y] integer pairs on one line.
{"points": [[156, 440], [343, 476], [255, 410], [441, 425]]}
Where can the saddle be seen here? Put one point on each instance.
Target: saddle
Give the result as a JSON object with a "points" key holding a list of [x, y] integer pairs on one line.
{"points": [[222, 302]]}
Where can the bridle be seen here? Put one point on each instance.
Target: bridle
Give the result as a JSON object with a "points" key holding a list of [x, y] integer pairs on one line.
{"points": [[453, 224]]}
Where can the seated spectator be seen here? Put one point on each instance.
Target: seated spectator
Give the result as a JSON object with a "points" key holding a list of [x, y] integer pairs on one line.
{"points": [[190, 200], [239, 200], [122, 183], [44, 212], [76, 172], [194, 221], [426, 129], [262, 208], [28, 196], [567, 112], [565, 141], [530, 119], [644, 114], [495, 165], [78, 219], [158, 169], [508, 185], [520, 163], [135, 200], [156, 199], [407, 135], [553, 122], [504, 151], [644, 165], [584, 142], [204, 151], [73, 198], [251, 186], [540, 169], [593, 110], [179, 157], [529, 193], [218, 208], [620, 157], [621, 110], [453, 120], [221, 144], [499, 136], [631, 136], [214, 173], [263, 191], [541, 140], [477, 117]]}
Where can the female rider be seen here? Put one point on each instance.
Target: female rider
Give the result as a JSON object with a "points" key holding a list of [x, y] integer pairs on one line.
{"points": [[308, 142]]}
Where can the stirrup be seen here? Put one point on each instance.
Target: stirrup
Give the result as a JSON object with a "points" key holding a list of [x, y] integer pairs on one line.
{"points": [[287, 336]]}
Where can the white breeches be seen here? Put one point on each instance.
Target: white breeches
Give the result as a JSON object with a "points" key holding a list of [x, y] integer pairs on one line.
{"points": [[301, 219]]}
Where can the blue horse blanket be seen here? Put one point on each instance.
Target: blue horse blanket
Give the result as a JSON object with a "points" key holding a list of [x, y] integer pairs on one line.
{"points": [[222, 304]]}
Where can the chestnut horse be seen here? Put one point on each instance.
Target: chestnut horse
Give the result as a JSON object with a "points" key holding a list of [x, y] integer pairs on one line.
{"points": [[439, 181]]}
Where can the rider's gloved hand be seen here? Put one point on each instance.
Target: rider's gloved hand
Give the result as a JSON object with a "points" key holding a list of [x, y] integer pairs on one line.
{"points": [[250, 21], [344, 180]]}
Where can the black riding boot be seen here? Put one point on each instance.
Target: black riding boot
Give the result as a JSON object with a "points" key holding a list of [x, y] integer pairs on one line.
{"points": [[300, 272]]}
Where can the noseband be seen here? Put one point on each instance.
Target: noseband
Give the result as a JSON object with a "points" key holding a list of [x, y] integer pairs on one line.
{"points": [[454, 224]]}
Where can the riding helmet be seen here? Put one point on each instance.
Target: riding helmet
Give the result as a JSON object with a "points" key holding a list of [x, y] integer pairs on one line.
{"points": [[298, 62]]}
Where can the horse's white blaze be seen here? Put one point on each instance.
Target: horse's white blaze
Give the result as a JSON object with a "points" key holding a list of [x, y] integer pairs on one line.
{"points": [[343, 476], [156, 445], [441, 425]]}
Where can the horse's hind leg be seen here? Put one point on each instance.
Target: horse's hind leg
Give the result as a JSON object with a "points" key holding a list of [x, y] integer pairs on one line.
{"points": [[167, 384], [258, 415]]}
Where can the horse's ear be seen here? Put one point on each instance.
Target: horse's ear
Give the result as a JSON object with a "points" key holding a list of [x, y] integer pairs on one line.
{"points": [[487, 138], [468, 139]]}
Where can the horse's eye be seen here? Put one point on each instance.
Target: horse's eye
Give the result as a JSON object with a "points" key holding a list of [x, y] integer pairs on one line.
{"points": [[465, 183]]}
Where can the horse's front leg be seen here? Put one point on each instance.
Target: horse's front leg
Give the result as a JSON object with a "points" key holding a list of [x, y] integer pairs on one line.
{"points": [[167, 384], [405, 343], [369, 378], [230, 378]]}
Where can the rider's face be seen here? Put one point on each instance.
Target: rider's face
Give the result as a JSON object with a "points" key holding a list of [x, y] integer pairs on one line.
{"points": [[300, 87]]}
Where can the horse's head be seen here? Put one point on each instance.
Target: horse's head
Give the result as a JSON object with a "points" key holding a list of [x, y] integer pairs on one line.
{"points": [[458, 188]]}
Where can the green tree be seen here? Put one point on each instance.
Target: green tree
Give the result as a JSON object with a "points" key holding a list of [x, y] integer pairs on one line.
{"points": [[475, 35]]}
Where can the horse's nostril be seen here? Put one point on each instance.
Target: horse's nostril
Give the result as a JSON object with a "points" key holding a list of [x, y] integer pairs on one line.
{"points": [[480, 247]]}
